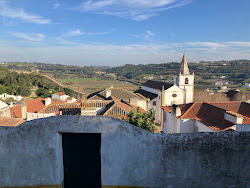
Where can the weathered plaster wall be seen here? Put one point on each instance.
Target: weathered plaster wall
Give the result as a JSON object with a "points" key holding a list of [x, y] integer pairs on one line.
{"points": [[243, 127], [31, 154], [187, 125], [202, 128]]}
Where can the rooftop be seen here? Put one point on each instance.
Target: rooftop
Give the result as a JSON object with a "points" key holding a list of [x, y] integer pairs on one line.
{"points": [[157, 85], [10, 122], [212, 113], [117, 93]]}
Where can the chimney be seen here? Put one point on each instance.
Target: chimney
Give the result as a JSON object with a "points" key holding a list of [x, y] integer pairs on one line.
{"points": [[163, 96], [175, 111], [108, 93], [133, 101], [24, 110], [47, 101]]}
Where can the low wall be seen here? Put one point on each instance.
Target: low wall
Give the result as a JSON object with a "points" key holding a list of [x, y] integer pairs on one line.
{"points": [[31, 154]]}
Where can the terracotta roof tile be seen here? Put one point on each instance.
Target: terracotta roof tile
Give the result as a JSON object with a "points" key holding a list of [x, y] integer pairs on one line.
{"points": [[10, 122], [57, 101], [119, 109], [60, 93], [212, 113]]}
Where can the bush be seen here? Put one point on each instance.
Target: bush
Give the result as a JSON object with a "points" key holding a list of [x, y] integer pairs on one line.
{"points": [[44, 93], [142, 120]]}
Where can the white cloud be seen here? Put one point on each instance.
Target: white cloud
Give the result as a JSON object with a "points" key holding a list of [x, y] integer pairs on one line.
{"points": [[150, 33], [34, 37], [56, 5], [77, 32], [15, 13], [74, 33], [108, 54], [137, 10]]}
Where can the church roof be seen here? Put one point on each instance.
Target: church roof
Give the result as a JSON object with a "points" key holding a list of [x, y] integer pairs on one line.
{"points": [[146, 94], [157, 85], [184, 66]]}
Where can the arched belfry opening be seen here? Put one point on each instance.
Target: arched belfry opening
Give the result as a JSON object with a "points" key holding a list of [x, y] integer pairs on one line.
{"points": [[186, 80]]}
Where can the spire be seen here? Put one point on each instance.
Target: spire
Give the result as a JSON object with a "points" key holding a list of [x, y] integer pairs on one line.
{"points": [[184, 66]]}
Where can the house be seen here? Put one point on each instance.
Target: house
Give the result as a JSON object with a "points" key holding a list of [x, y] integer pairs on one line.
{"points": [[3, 105], [121, 94], [59, 95], [119, 109], [114, 107], [6, 96], [246, 85], [205, 116], [165, 94]]}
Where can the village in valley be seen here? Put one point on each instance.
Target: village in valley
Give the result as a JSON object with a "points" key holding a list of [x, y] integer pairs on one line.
{"points": [[124, 94], [175, 110]]}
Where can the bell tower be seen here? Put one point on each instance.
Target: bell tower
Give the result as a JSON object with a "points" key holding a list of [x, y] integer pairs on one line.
{"points": [[185, 81]]}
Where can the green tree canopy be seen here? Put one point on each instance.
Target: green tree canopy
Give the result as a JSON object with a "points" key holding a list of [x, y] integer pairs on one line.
{"points": [[142, 120]]}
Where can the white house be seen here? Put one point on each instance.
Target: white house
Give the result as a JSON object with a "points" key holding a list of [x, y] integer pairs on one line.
{"points": [[3, 105], [246, 85], [166, 94], [205, 117], [5, 96], [59, 95]]}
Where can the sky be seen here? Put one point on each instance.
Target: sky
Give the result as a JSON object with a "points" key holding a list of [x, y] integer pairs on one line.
{"points": [[118, 32]]}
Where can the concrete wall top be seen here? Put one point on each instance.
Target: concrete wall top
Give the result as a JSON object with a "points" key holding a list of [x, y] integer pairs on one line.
{"points": [[31, 154]]}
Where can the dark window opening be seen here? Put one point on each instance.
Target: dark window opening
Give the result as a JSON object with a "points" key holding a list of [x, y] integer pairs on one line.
{"points": [[154, 103], [186, 80]]}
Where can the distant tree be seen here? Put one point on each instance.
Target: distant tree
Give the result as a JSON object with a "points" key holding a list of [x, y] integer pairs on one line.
{"points": [[142, 120], [23, 91], [69, 92], [2, 89], [44, 93]]}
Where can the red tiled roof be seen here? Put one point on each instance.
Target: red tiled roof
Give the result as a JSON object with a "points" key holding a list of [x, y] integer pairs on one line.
{"points": [[35, 105], [60, 93], [10, 122], [119, 109], [184, 107], [57, 107], [15, 111], [68, 98], [57, 101], [212, 113]]}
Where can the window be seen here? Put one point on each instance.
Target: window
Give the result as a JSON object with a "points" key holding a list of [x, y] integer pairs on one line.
{"points": [[186, 80], [174, 95], [154, 103]]}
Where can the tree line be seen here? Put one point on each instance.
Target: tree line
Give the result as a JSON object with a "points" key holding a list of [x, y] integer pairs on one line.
{"points": [[22, 84]]}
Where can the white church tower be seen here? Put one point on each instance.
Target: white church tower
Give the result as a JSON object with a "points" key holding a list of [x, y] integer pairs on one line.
{"points": [[185, 81]]}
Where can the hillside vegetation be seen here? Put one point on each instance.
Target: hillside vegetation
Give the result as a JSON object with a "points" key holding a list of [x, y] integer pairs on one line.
{"points": [[206, 73]]}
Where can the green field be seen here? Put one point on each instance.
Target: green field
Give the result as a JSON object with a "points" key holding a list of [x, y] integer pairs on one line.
{"points": [[74, 80]]}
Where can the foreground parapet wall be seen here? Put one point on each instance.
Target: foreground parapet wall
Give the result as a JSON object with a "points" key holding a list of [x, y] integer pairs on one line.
{"points": [[31, 155]]}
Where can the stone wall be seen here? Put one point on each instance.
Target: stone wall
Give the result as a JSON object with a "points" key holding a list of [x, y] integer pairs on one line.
{"points": [[31, 154]]}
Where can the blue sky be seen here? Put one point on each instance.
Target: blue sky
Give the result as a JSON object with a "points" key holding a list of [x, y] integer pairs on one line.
{"points": [[118, 32]]}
